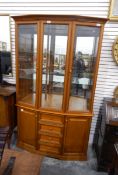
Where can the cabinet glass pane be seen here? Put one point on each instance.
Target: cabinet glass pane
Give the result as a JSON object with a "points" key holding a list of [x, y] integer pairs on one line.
{"points": [[53, 70], [85, 51], [27, 42]]}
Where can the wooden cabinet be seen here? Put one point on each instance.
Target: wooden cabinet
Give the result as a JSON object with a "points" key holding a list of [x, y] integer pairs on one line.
{"points": [[106, 134], [7, 106], [57, 62], [115, 163]]}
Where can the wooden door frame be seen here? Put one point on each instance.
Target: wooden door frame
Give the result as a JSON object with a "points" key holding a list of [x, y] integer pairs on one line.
{"points": [[43, 22], [95, 70], [17, 60]]}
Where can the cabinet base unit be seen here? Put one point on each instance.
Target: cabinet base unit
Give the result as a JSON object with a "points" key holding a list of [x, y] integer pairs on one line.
{"points": [[56, 135], [57, 58]]}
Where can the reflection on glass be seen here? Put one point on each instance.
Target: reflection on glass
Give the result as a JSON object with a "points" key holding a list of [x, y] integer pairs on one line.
{"points": [[5, 49], [86, 42], [27, 62], [53, 70]]}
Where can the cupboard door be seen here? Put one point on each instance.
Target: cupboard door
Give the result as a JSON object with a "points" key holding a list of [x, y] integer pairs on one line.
{"points": [[55, 40], [76, 135], [83, 67], [27, 126], [27, 57]]}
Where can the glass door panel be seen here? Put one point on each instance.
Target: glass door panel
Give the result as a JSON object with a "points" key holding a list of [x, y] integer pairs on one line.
{"points": [[27, 53], [53, 69], [85, 51]]}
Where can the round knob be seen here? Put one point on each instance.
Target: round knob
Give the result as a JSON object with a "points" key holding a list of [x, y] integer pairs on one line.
{"points": [[70, 71]]}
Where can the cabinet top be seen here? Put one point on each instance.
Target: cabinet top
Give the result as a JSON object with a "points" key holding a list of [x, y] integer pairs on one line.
{"points": [[60, 17], [7, 90]]}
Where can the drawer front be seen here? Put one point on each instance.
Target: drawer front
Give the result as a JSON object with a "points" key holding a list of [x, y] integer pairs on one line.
{"points": [[50, 131], [50, 128], [50, 141], [52, 118], [49, 149]]}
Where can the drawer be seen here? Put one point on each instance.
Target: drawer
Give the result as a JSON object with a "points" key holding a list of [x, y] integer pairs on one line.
{"points": [[49, 140], [50, 128], [52, 118], [50, 131], [49, 149]]}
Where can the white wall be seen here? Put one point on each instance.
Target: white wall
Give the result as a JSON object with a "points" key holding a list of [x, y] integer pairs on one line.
{"points": [[108, 70], [82, 7]]}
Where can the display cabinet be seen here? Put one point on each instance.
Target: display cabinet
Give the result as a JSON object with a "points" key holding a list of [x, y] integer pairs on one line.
{"points": [[57, 59]]}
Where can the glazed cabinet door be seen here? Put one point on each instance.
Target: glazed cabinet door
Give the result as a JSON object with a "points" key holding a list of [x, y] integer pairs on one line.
{"points": [[76, 135], [55, 46], [83, 67], [26, 63], [27, 127]]}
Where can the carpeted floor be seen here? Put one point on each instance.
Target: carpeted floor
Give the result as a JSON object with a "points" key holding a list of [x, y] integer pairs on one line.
{"points": [[52, 166], [25, 164], [31, 164]]}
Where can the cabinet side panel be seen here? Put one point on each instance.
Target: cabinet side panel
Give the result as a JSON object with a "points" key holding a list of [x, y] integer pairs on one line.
{"points": [[3, 112], [12, 113]]}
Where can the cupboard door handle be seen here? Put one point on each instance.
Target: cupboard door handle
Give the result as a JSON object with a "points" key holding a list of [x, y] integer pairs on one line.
{"points": [[70, 71], [66, 120]]}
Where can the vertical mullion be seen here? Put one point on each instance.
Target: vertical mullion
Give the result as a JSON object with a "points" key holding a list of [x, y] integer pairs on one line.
{"points": [[69, 63], [37, 66], [40, 43]]}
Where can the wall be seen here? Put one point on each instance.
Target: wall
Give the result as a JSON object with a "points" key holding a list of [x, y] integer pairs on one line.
{"points": [[108, 70]]}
